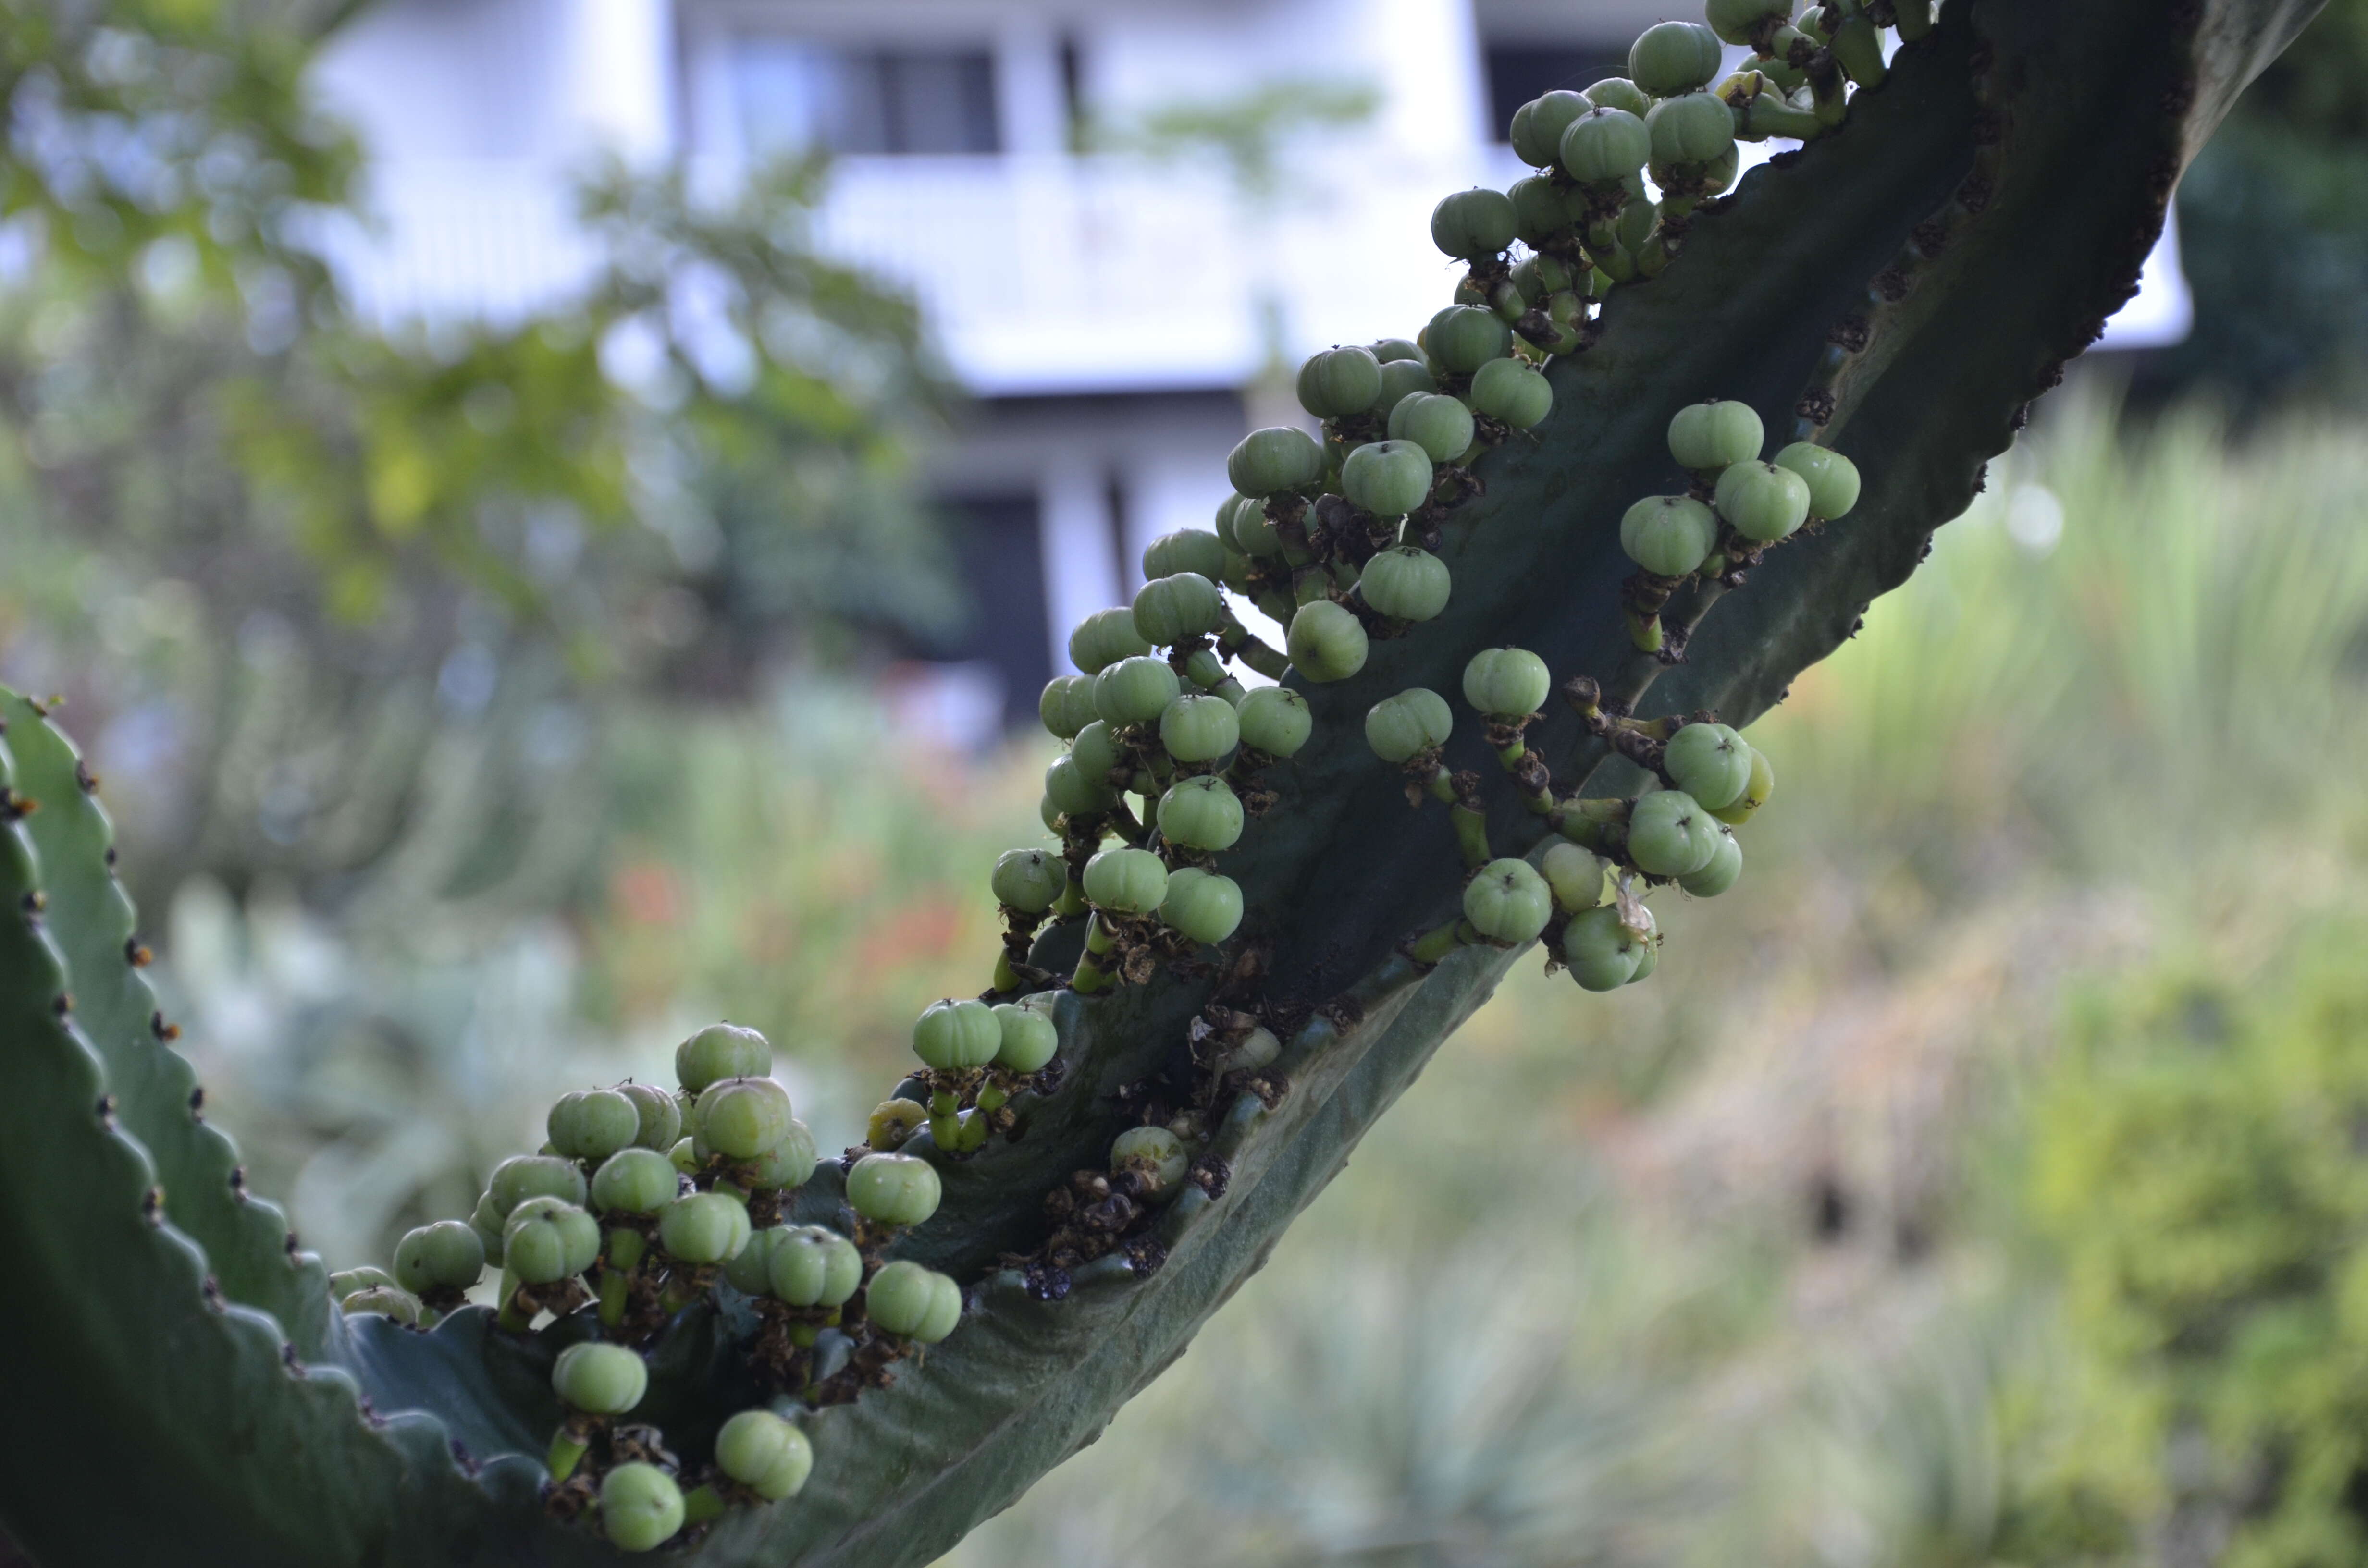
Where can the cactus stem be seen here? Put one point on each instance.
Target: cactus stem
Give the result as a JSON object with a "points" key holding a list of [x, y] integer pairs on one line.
{"points": [[1436, 943], [1471, 832], [567, 1450], [612, 1297], [1090, 977], [511, 1318]]}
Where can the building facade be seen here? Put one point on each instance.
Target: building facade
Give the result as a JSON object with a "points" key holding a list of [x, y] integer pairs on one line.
{"points": [[1105, 309]]}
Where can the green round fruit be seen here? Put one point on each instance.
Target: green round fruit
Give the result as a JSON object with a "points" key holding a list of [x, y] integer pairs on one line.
{"points": [[1670, 58], [1198, 729], [1327, 642], [1200, 813], [1388, 479], [1541, 210], [912, 1303], [1202, 904], [701, 1228], [1030, 881], [1403, 727], [1649, 962], [1462, 338], [1440, 424], [1401, 379], [446, 1255], [1338, 381], [1574, 876], [1275, 720], [592, 1124], [1604, 146], [1732, 20], [634, 1181], [1067, 705], [1710, 762], [1255, 531], [1669, 835], [1619, 93], [1507, 683], [1132, 691], [1755, 794], [1602, 953], [1229, 511], [786, 1165], [1832, 478], [952, 1036], [599, 1380], [893, 1121], [1156, 1155], [641, 1507], [1191, 550], [1710, 437], [685, 1156], [1072, 791], [1407, 583], [1095, 752], [1125, 882], [522, 1176], [1509, 391], [1725, 865], [1391, 350], [546, 1241], [1697, 128], [1669, 536], [742, 1118], [721, 1050], [1549, 120], [1030, 1039], [385, 1301], [1472, 225], [1103, 638], [660, 1112], [764, 1453], [484, 1220], [1762, 500], [1168, 610], [811, 1267], [893, 1189], [1507, 902], [1272, 460]]}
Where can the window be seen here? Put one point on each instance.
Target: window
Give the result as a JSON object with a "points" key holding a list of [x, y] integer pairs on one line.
{"points": [[1519, 72], [795, 94], [1000, 558]]}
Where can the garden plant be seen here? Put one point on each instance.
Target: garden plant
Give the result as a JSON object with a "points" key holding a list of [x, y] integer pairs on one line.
{"points": [[1657, 452]]}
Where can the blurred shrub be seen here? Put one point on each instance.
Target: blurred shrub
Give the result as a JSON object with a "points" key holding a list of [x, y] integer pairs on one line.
{"points": [[2198, 1160], [2274, 237], [256, 527]]}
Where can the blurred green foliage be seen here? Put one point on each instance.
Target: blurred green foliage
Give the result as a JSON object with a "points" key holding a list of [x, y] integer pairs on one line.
{"points": [[235, 510], [2198, 1160], [2273, 236]]}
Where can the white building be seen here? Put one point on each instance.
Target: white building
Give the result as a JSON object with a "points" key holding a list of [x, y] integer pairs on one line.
{"points": [[1105, 310]]}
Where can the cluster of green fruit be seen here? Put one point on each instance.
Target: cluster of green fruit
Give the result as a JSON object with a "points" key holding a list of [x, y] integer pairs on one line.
{"points": [[1759, 503], [643, 1201]]}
